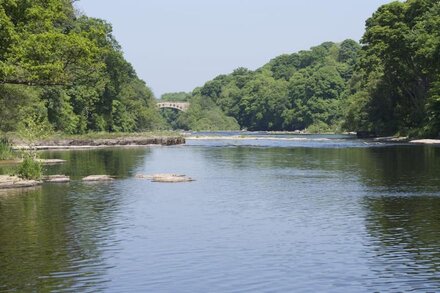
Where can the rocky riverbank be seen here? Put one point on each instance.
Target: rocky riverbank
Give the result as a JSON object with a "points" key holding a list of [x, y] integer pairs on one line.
{"points": [[77, 143], [7, 182]]}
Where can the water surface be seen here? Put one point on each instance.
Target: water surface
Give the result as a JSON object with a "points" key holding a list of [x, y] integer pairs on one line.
{"points": [[327, 213]]}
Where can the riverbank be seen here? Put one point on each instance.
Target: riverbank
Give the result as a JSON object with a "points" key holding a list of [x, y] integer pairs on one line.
{"points": [[292, 136], [393, 139], [96, 140]]}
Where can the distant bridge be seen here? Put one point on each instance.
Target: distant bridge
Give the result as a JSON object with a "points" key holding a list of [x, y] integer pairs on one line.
{"points": [[181, 106]]}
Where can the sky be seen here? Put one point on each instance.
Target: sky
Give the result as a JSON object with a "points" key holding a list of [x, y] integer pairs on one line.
{"points": [[177, 45]]}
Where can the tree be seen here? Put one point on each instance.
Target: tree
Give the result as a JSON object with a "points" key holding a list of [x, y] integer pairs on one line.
{"points": [[400, 64]]}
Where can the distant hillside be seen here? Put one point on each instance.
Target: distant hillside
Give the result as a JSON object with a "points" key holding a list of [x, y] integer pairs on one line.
{"points": [[389, 84], [292, 92]]}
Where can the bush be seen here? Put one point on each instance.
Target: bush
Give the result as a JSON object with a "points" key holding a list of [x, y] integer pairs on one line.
{"points": [[30, 168], [6, 151]]}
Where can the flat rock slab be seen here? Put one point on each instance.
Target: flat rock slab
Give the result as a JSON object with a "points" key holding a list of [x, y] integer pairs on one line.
{"points": [[103, 142], [426, 141], [7, 182], [165, 178], [94, 178], [56, 179], [42, 161], [51, 161], [391, 139]]}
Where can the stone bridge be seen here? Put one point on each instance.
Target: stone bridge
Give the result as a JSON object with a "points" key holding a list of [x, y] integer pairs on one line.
{"points": [[181, 106]]}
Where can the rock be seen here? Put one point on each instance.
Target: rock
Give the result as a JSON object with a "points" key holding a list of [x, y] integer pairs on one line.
{"points": [[56, 179], [426, 141], [143, 176], [42, 161], [81, 143], [166, 178], [51, 161], [7, 182], [98, 178], [392, 139]]}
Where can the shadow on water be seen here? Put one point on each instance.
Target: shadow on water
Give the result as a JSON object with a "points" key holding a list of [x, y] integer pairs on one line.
{"points": [[119, 162], [54, 237]]}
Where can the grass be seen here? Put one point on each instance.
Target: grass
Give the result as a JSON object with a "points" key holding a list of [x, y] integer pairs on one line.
{"points": [[6, 152]]}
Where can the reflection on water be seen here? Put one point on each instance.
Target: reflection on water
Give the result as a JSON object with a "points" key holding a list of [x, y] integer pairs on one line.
{"points": [[308, 217], [52, 237], [405, 241], [111, 161], [401, 168]]}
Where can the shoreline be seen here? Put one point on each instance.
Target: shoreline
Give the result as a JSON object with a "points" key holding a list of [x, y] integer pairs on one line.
{"points": [[421, 141], [89, 143], [302, 137]]}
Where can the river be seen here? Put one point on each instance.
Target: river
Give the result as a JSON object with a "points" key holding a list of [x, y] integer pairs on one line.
{"points": [[267, 213]]}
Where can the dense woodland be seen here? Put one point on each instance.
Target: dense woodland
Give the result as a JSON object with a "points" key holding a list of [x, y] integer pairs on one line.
{"points": [[387, 84], [64, 71], [291, 92]]}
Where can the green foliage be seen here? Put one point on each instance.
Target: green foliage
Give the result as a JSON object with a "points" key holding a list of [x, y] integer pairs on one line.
{"points": [[34, 124], [6, 152], [290, 92], [30, 168], [399, 69], [12, 98], [432, 127], [176, 97], [73, 65], [389, 85], [204, 114]]}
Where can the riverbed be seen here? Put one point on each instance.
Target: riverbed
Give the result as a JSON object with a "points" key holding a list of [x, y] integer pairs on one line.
{"points": [[266, 213]]}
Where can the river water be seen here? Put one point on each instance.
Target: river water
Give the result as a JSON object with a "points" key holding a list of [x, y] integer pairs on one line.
{"points": [[267, 213]]}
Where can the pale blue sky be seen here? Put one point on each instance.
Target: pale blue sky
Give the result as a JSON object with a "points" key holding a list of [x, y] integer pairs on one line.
{"points": [[178, 45]]}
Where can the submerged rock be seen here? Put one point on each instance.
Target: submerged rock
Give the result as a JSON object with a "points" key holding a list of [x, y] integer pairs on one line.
{"points": [[98, 178], [56, 179], [166, 178], [7, 182]]}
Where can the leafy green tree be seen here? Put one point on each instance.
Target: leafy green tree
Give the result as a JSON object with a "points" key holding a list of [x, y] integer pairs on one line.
{"points": [[291, 91], [76, 67], [180, 97], [400, 64]]}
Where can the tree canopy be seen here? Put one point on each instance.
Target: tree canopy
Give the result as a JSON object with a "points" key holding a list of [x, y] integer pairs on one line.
{"points": [[397, 88], [67, 71], [69, 67], [292, 92], [388, 84]]}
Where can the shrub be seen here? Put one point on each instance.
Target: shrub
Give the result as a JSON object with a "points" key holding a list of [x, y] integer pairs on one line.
{"points": [[30, 168]]}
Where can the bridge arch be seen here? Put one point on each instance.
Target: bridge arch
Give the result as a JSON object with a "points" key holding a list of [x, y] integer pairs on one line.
{"points": [[181, 106]]}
